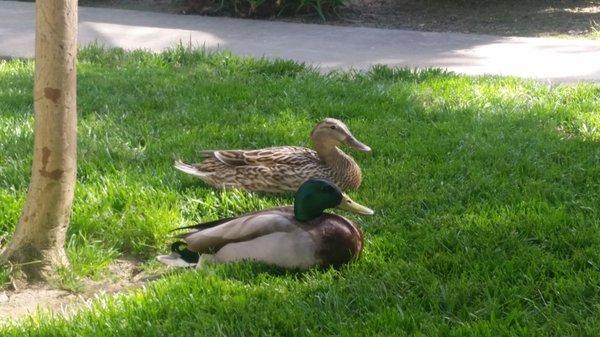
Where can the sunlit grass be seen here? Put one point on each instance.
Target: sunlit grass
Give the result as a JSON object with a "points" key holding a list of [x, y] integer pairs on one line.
{"points": [[485, 191]]}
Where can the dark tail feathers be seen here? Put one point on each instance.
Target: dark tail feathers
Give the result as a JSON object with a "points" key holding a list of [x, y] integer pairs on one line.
{"points": [[187, 255]]}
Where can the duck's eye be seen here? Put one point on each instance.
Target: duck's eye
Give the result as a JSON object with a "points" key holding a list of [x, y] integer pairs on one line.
{"points": [[332, 127]]}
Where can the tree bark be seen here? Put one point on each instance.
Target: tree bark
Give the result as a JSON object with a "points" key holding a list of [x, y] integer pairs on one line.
{"points": [[38, 243]]}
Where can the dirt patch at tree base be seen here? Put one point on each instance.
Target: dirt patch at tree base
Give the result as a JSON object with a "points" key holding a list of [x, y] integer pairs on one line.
{"points": [[15, 304]]}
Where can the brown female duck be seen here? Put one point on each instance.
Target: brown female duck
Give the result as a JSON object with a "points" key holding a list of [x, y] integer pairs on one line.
{"points": [[283, 169]]}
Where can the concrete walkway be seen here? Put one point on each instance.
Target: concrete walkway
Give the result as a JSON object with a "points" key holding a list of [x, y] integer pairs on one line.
{"points": [[329, 47]]}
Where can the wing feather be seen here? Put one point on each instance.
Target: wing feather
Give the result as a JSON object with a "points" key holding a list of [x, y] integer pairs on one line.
{"points": [[266, 157], [203, 225], [241, 229]]}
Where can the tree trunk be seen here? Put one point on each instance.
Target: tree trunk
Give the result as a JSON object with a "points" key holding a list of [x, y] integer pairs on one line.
{"points": [[38, 243]]}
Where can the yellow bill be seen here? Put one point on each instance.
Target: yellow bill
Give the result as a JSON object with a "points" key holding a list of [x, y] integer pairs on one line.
{"points": [[350, 205]]}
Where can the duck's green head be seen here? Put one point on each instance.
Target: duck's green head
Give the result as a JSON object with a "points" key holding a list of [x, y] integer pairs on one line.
{"points": [[316, 195]]}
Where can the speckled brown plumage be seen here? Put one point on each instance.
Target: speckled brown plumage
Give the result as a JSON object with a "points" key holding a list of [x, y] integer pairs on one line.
{"points": [[285, 168]]}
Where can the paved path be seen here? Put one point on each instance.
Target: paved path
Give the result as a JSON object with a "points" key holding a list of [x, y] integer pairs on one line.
{"points": [[330, 47]]}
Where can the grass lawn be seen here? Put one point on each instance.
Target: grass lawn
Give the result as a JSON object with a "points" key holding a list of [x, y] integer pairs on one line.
{"points": [[486, 193]]}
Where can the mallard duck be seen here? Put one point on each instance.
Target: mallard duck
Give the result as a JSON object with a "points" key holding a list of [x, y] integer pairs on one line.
{"points": [[283, 169], [298, 237]]}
